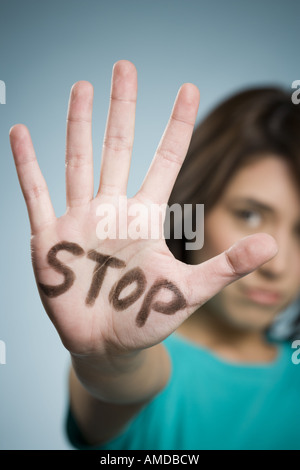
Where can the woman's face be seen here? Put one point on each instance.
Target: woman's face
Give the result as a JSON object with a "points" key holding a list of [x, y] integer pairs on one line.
{"points": [[262, 197]]}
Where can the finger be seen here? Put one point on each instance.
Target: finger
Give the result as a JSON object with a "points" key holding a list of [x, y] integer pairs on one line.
{"points": [[79, 149], [119, 133], [32, 183], [207, 279], [172, 149]]}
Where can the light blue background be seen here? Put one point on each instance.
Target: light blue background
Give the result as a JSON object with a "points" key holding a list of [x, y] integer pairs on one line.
{"points": [[221, 46]]}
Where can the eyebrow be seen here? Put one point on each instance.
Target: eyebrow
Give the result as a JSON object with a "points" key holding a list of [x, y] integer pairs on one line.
{"points": [[254, 203]]}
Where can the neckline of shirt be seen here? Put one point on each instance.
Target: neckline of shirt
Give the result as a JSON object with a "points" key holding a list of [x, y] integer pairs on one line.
{"points": [[279, 362]]}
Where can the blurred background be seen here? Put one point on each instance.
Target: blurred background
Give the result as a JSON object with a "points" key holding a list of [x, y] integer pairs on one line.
{"points": [[222, 47]]}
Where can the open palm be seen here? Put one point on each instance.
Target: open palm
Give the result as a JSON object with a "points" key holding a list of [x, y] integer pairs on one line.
{"points": [[118, 294]]}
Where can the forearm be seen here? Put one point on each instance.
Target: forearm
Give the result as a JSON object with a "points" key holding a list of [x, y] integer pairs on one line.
{"points": [[103, 398]]}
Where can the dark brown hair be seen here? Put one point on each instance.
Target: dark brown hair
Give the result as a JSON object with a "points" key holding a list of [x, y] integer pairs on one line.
{"points": [[251, 122]]}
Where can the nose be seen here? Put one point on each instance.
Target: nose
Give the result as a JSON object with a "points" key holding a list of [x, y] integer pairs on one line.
{"points": [[278, 266]]}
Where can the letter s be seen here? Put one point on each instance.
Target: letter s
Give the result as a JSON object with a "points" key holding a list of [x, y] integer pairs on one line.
{"points": [[55, 291]]}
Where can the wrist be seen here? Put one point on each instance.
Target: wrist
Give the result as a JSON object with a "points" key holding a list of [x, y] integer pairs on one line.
{"points": [[108, 364], [126, 378]]}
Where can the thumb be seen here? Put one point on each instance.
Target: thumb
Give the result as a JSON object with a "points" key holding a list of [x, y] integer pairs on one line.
{"points": [[205, 280]]}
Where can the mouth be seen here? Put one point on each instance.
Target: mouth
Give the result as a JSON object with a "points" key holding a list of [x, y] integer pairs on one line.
{"points": [[263, 296]]}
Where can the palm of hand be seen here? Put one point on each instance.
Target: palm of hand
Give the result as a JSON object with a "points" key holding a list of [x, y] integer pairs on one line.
{"points": [[101, 293]]}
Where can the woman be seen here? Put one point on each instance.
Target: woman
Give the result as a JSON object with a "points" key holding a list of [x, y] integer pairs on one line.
{"points": [[241, 153], [169, 355]]}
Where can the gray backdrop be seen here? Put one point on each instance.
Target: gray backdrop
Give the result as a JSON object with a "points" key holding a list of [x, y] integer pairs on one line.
{"points": [[221, 46]]}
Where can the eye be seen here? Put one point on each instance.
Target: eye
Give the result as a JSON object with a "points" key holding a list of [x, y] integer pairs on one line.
{"points": [[252, 218]]}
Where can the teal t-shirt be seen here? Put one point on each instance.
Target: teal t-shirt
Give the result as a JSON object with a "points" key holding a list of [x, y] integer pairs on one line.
{"points": [[209, 403]]}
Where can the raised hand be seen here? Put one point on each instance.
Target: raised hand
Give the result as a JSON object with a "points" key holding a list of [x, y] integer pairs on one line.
{"points": [[118, 294]]}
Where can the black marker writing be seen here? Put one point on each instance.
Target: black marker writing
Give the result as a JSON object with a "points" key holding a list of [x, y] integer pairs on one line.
{"points": [[54, 291], [134, 275], [168, 308], [103, 262]]}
